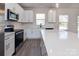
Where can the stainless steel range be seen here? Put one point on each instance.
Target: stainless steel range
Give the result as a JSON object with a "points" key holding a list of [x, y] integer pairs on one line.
{"points": [[18, 37]]}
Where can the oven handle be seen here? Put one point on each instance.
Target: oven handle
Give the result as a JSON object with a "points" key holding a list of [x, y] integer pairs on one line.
{"points": [[19, 32]]}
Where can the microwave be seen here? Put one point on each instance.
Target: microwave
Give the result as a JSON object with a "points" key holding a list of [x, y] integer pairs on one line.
{"points": [[11, 16]]}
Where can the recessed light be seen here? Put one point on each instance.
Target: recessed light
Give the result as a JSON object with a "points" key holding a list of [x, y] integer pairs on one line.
{"points": [[57, 5], [50, 10]]}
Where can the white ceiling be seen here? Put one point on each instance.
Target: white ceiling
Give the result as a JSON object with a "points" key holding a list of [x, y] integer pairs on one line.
{"points": [[48, 5]]}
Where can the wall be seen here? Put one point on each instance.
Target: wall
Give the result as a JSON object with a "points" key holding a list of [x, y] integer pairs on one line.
{"points": [[72, 12], [39, 10], [12, 7]]}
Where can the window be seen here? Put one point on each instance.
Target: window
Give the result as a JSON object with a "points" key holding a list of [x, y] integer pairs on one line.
{"points": [[63, 22], [78, 23], [40, 19]]}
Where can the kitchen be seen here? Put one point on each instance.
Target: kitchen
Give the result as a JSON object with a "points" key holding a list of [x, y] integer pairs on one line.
{"points": [[34, 29]]}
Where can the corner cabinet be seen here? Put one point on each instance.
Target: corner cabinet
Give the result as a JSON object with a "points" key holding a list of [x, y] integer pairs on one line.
{"points": [[28, 15]]}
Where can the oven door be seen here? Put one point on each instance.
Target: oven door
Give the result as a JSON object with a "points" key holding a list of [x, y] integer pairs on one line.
{"points": [[18, 38]]}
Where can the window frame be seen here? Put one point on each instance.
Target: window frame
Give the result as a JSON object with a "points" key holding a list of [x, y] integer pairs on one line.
{"points": [[40, 18], [63, 22], [78, 23]]}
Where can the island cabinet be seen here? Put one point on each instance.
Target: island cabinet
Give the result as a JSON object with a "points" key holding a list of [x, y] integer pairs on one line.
{"points": [[43, 48], [33, 34]]}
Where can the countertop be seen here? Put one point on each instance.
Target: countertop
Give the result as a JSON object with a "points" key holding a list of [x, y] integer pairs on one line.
{"points": [[59, 43]]}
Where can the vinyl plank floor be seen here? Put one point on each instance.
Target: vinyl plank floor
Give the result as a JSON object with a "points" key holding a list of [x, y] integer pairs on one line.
{"points": [[30, 48]]}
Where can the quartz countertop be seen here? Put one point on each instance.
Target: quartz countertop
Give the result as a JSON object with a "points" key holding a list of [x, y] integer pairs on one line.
{"points": [[59, 43]]}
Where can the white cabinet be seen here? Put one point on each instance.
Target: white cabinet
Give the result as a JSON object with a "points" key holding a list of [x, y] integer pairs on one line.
{"points": [[25, 34], [52, 16], [33, 34], [28, 16], [20, 11], [9, 46], [16, 8], [10, 6]]}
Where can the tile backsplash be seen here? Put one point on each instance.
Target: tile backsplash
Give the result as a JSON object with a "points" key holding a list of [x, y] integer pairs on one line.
{"points": [[17, 25]]}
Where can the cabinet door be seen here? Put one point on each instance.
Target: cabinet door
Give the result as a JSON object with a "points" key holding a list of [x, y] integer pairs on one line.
{"points": [[19, 11], [36, 34], [9, 47], [28, 16], [29, 34], [10, 6], [25, 35]]}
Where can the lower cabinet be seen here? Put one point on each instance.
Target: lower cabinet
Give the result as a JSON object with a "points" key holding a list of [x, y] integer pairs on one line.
{"points": [[9, 45], [33, 34], [43, 48]]}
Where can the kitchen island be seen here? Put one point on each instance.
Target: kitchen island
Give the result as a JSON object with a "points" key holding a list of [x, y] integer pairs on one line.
{"points": [[60, 43]]}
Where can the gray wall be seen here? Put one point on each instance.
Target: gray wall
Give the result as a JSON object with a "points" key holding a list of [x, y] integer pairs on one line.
{"points": [[39, 10], [72, 12]]}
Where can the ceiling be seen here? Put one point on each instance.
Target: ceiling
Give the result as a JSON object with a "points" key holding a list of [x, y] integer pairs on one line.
{"points": [[48, 5]]}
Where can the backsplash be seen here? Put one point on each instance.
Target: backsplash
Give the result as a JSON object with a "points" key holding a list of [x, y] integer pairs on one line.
{"points": [[17, 25]]}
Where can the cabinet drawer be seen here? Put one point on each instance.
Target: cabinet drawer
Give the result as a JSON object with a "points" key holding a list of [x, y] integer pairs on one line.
{"points": [[9, 36]]}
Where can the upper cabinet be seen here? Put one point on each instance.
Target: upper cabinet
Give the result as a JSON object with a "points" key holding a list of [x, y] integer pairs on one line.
{"points": [[52, 16], [28, 15], [16, 8], [20, 11], [24, 15], [10, 6]]}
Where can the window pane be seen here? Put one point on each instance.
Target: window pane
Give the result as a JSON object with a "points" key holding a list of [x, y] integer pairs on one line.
{"points": [[63, 22], [63, 18], [40, 19], [38, 22], [63, 26], [40, 16]]}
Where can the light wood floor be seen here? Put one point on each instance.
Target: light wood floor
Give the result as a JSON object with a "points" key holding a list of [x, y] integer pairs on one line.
{"points": [[31, 47]]}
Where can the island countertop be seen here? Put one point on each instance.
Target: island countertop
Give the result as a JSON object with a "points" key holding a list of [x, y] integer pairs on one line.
{"points": [[59, 43]]}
